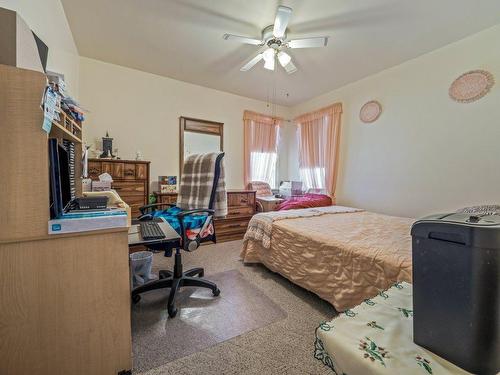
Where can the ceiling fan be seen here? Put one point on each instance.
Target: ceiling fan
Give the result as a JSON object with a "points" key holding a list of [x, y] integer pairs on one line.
{"points": [[274, 43]]}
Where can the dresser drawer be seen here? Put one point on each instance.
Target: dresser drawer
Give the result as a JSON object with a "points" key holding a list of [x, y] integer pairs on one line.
{"points": [[129, 188], [170, 199], [231, 226], [240, 211], [141, 171], [134, 201], [240, 199]]}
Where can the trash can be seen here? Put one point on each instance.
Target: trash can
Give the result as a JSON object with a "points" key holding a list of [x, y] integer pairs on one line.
{"points": [[456, 289], [140, 268]]}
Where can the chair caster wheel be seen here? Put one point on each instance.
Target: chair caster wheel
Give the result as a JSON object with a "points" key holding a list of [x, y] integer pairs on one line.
{"points": [[172, 312], [216, 292], [201, 274], [136, 298], [162, 275]]}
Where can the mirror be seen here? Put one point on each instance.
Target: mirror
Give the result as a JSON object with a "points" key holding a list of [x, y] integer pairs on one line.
{"points": [[199, 136]]}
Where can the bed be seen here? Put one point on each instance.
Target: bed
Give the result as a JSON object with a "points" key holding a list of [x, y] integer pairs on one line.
{"points": [[376, 337], [344, 255], [307, 200]]}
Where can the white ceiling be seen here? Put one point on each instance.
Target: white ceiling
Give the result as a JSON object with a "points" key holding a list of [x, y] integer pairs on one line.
{"points": [[182, 39]]}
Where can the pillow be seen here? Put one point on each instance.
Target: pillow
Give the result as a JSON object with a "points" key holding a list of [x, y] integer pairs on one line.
{"points": [[492, 209]]}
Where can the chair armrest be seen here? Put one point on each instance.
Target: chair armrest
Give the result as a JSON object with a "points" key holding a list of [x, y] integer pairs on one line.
{"points": [[147, 207], [181, 215]]}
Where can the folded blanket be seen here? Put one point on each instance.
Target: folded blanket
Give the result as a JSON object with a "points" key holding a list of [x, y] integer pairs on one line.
{"points": [[261, 225], [197, 180]]}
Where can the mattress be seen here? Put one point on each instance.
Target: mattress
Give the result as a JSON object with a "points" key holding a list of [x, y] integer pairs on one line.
{"points": [[376, 337], [343, 257]]}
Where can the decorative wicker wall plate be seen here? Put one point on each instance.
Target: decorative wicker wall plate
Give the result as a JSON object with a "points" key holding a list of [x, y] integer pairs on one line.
{"points": [[370, 111], [471, 86]]}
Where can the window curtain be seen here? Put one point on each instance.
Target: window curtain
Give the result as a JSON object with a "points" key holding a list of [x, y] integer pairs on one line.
{"points": [[261, 135], [319, 142]]}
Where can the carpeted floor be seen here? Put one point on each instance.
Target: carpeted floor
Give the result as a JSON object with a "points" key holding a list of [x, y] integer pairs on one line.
{"points": [[282, 347]]}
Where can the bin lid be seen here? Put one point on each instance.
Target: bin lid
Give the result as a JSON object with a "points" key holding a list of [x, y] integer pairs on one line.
{"points": [[479, 220]]}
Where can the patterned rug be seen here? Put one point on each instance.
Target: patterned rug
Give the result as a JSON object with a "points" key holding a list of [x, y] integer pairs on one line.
{"points": [[202, 320]]}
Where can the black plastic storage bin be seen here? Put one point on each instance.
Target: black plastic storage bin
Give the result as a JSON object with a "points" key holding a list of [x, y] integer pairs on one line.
{"points": [[456, 292]]}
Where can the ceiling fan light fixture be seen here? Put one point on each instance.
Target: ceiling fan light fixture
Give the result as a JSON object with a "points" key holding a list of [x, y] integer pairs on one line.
{"points": [[269, 64], [268, 54], [284, 58]]}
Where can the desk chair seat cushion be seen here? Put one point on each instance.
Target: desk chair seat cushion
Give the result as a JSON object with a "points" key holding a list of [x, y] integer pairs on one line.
{"points": [[192, 223]]}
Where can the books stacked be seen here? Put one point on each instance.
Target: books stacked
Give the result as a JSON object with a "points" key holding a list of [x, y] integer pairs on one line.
{"points": [[70, 148]]}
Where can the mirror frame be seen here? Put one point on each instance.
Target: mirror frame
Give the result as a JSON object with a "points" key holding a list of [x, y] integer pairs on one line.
{"points": [[195, 125]]}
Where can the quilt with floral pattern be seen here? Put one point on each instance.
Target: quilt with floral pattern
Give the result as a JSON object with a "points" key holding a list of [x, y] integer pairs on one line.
{"points": [[376, 337]]}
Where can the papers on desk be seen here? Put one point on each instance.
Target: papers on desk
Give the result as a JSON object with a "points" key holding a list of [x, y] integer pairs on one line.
{"points": [[84, 221]]}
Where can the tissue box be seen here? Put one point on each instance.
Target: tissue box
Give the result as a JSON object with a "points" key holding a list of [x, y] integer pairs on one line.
{"points": [[101, 185], [290, 188]]}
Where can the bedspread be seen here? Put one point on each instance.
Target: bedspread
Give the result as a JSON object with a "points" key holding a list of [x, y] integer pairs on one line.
{"points": [[305, 201], [376, 338], [343, 258]]}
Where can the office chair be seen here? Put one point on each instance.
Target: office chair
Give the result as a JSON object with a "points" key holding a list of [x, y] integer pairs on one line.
{"points": [[195, 226]]}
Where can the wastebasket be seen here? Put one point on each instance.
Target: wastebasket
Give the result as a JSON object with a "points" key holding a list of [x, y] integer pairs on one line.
{"points": [[140, 268], [456, 289]]}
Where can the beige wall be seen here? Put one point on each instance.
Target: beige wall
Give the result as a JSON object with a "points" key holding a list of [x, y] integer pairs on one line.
{"points": [[48, 20], [141, 112], [426, 153]]}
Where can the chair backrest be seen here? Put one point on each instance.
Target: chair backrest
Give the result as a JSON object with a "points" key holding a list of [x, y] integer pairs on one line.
{"points": [[263, 189], [203, 183], [219, 170]]}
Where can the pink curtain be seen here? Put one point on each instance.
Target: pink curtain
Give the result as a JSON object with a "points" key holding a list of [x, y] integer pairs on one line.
{"points": [[261, 135], [319, 142]]}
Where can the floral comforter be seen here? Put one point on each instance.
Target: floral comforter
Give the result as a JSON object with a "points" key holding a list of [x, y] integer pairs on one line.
{"points": [[376, 337]]}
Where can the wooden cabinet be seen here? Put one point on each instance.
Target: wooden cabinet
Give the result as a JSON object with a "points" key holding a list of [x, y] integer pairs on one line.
{"points": [[241, 208], [65, 299], [169, 198], [130, 179]]}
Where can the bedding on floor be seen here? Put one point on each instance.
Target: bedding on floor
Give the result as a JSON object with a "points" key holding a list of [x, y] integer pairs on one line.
{"points": [[376, 337], [342, 254]]}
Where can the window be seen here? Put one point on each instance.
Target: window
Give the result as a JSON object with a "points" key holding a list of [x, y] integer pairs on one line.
{"points": [[261, 147], [263, 167]]}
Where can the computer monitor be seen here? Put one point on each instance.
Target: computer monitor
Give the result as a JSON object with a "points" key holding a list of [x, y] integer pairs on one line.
{"points": [[59, 176]]}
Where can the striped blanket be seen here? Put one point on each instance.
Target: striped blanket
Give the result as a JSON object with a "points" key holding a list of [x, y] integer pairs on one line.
{"points": [[197, 180]]}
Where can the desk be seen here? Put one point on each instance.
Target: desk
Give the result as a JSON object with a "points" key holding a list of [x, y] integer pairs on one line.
{"points": [[135, 236]]}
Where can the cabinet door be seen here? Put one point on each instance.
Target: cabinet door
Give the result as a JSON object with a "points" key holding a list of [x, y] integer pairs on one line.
{"points": [[107, 167], [141, 171], [129, 171], [117, 170]]}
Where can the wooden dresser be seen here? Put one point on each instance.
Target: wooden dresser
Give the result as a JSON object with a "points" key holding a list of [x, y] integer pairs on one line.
{"points": [[241, 207], [130, 179]]}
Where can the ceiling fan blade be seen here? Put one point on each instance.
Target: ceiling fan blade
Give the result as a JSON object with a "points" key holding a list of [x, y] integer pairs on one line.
{"points": [[283, 15], [249, 65], [242, 39], [320, 41], [290, 68]]}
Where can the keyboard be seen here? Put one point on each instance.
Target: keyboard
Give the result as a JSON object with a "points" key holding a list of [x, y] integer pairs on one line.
{"points": [[151, 231]]}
